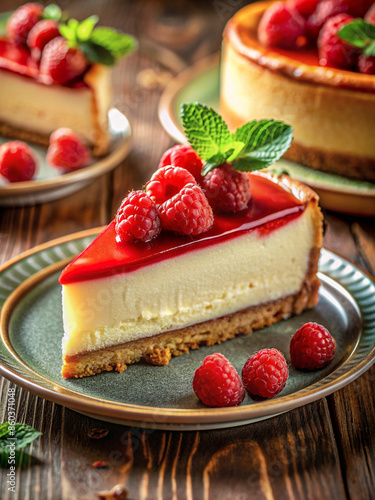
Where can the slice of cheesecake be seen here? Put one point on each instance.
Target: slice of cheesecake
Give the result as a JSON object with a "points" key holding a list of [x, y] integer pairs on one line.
{"points": [[123, 302]]}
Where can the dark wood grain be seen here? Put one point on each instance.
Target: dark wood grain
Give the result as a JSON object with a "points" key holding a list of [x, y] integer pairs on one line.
{"points": [[322, 451]]}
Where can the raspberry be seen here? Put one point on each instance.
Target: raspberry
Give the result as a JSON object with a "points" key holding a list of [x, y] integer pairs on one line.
{"points": [[60, 63], [17, 162], [216, 382], [265, 373], [226, 189], [370, 15], [166, 182], [187, 212], [184, 157], [331, 49], [137, 218], [312, 347], [282, 27], [67, 151], [21, 22], [366, 64], [329, 8], [304, 7], [42, 33]]}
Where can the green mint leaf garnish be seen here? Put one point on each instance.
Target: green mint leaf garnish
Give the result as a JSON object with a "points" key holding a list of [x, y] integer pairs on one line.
{"points": [[255, 145], [16, 438], [85, 28], [97, 54], [4, 18], [118, 44], [361, 34], [53, 12], [207, 132]]}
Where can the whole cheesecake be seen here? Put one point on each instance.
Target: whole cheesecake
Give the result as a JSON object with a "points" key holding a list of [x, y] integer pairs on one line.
{"points": [[31, 110], [332, 111], [127, 301]]}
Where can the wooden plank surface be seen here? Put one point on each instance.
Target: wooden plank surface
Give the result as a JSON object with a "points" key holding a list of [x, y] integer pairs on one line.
{"points": [[322, 451]]}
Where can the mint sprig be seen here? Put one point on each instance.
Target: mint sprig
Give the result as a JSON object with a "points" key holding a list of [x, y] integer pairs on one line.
{"points": [[53, 12], [100, 45], [255, 145], [16, 438], [360, 34]]}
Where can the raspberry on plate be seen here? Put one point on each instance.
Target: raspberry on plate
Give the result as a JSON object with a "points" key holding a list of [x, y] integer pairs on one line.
{"points": [[305, 7], [312, 347], [137, 218], [332, 50], [265, 373], [17, 161], [67, 151], [21, 22], [282, 26], [217, 383], [43, 32], [185, 157], [366, 64], [227, 190], [61, 63]]}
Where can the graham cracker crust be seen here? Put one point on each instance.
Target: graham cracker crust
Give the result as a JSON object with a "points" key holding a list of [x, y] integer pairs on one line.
{"points": [[159, 349]]}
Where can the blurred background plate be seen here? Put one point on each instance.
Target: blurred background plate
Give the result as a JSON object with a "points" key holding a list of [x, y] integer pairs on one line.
{"points": [[50, 184], [201, 83]]}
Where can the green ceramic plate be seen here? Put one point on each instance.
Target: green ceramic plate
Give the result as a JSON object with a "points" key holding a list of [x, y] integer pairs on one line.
{"points": [[162, 397], [201, 83], [50, 185]]}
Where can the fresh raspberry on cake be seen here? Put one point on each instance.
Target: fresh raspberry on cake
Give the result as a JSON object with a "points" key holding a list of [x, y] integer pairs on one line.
{"points": [[265, 373], [217, 383], [168, 181], [185, 157], [333, 51], [366, 64], [21, 22], [227, 190], [282, 26], [17, 161], [137, 218], [312, 347], [43, 32], [67, 151], [370, 15], [305, 7], [61, 63]]}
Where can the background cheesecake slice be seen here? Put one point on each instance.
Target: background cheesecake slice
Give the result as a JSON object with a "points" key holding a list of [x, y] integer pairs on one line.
{"points": [[131, 301]]}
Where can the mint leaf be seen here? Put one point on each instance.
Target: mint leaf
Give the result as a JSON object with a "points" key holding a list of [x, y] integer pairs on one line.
{"points": [[97, 54], [206, 131], [4, 18], [68, 33], [16, 438], [370, 49], [85, 28], [53, 12], [118, 44], [265, 142], [358, 33]]}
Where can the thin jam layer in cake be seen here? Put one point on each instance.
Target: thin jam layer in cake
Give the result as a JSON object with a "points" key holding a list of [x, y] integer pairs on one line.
{"points": [[116, 293]]}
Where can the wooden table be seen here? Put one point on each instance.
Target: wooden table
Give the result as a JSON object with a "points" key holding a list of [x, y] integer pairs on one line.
{"points": [[324, 450]]}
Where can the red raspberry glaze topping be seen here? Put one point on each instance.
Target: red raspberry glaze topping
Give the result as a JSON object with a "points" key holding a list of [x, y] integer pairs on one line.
{"points": [[312, 347], [137, 218], [67, 151], [185, 157], [226, 189], [60, 63], [187, 212], [43, 32], [17, 162], [166, 182], [333, 51], [21, 22], [216, 382], [265, 373], [282, 26]]}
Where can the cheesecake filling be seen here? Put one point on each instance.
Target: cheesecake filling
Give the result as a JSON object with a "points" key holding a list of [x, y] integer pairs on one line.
{"points": [[187, 289]]}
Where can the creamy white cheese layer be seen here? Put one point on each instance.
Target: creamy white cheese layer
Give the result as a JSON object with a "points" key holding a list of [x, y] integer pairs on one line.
{"points": [[194, 287]]}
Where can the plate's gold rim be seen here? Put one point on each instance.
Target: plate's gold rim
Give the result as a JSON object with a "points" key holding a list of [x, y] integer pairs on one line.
{"points": [[123, 411], [79, 176]]}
